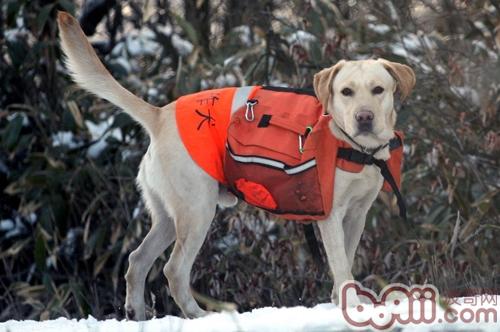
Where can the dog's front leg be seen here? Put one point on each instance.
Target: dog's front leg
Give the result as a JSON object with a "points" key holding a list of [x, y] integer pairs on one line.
{"points": [[355, 220], [332, 234], [354, 224]]}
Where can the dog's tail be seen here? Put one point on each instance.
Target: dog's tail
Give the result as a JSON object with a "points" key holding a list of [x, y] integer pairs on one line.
{"points": [[89, 72]]}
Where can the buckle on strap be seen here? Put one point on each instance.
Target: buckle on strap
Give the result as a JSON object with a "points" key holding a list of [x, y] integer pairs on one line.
{"points": [[355, 156], [395, 143]]}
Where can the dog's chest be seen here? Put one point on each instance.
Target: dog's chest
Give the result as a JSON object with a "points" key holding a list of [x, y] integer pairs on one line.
{"points": [[356, 186]]}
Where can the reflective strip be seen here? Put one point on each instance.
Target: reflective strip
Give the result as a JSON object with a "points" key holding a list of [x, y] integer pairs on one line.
{"points": [[297, 169], [258, 160], [240, 97], [273, 163]]}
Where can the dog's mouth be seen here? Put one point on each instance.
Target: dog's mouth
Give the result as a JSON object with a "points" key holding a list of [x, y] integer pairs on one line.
{"points": [[370, 134], [365, 132], [364, 128]]}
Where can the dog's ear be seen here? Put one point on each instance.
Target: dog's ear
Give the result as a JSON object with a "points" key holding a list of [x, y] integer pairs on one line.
{"points": [[404, 76], [323, 83]]}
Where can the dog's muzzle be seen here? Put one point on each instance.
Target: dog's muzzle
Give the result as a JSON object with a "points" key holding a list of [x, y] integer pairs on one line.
{"points": [[365, 121]]}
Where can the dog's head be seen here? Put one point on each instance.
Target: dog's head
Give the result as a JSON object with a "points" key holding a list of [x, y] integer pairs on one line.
{"points": [[360, 96]]}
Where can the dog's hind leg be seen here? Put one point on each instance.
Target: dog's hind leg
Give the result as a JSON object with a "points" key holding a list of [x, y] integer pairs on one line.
{"points": [[160, 236], [192, 222]]}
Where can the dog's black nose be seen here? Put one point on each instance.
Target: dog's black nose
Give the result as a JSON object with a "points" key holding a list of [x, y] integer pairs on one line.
{"points": [[365, 120]]}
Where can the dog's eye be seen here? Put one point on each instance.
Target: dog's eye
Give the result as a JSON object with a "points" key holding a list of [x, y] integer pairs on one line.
{"points": [[377, 90], [347, 92]]}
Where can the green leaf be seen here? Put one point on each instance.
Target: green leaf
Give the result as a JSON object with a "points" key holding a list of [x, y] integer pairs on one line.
{"points": [[40, 253], [316, 52], [101, 262], [122, 120], [79, 296], [17, 50], [43, 15], [68, 6], [315, 27], [13, 9], [187, 28], [11, 133], [68, 120]]}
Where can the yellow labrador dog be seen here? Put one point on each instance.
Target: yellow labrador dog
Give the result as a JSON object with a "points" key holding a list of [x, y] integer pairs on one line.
{"points": [[360, 94]]}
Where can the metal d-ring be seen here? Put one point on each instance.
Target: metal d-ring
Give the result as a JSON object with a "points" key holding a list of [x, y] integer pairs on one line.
{"points": [[301, 140], [249, 113]]}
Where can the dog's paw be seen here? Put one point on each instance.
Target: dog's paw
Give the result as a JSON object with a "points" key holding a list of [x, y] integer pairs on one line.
{"points": [[347, 299], [130, 313], [197, 313], [334, 297], [352, 301]]}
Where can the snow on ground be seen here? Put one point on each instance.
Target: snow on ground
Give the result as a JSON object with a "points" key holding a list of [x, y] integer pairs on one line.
{"points": [[470, 315]]}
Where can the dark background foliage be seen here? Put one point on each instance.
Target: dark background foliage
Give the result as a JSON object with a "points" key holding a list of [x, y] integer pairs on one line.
{"points": [[69, 212]]}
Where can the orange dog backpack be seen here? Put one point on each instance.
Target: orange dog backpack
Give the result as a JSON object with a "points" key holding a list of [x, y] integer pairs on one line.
{"points": [[272, 147]]}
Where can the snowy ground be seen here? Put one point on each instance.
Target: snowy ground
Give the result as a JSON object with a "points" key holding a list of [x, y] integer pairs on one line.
{"points": [[470, 315]]}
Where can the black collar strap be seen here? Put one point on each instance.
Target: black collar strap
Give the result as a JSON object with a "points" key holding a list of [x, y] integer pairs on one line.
{"points": [[359, 157], [363, 148]]}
